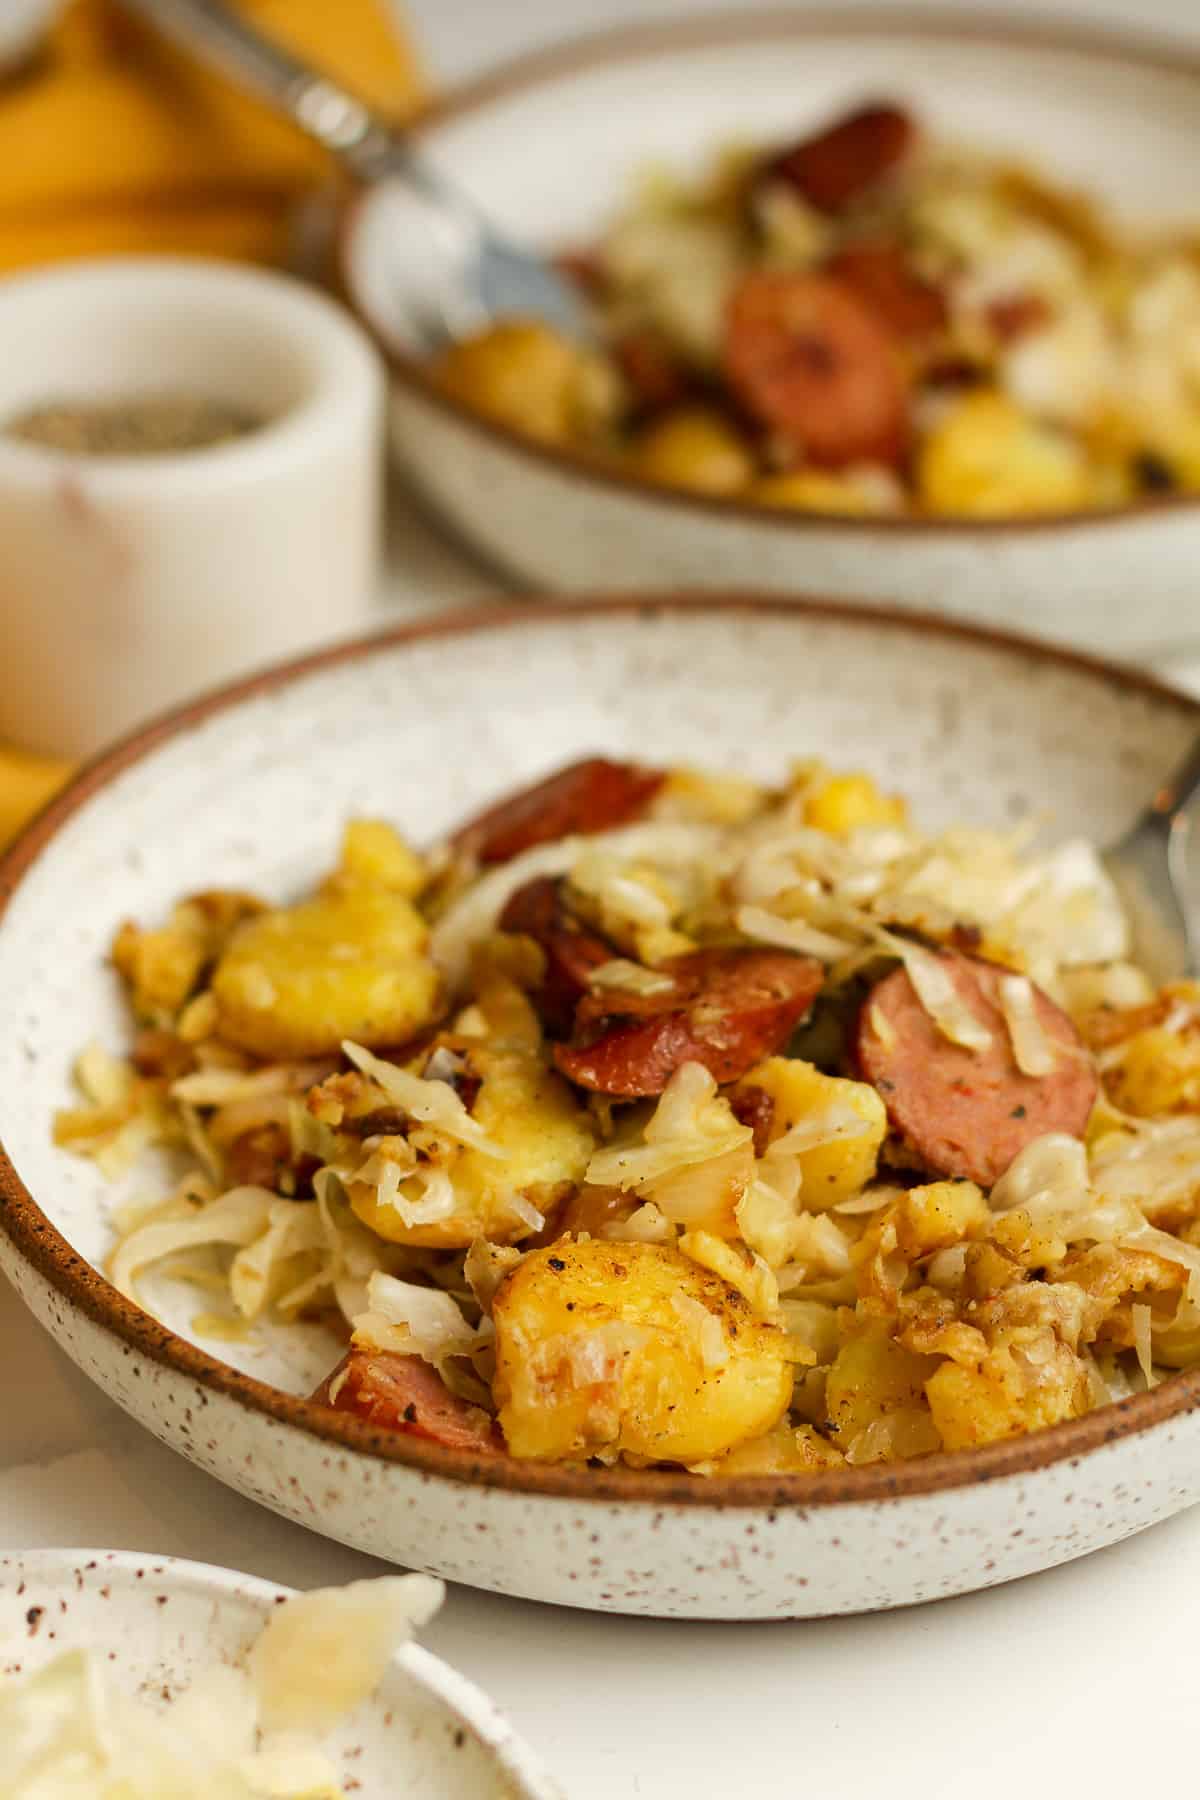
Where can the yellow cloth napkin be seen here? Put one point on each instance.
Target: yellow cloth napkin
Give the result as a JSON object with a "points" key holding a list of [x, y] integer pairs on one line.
{"points": [[112, 141]]}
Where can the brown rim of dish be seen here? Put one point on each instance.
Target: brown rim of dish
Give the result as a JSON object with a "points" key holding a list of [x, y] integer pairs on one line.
{"points": [[632, 44], [38, 1241]]}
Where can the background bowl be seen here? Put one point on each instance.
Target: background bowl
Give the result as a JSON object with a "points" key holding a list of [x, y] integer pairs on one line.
{"points": [[548, 145], [250, 788], [427, 1734]]}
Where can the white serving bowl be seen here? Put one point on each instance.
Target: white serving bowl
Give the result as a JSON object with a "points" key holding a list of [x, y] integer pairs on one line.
{"points": [[159, 1623], [127, 583], [549, 145], [423, 725]]}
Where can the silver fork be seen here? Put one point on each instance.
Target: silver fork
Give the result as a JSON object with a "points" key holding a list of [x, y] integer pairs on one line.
{"points": [[1149, 869], [466, 273]]}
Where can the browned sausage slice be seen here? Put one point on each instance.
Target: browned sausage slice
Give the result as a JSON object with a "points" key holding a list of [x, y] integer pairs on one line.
{"points": [[912, 308], [405, 1393], [837, 166], [807, 358], [656, 376], [571, 951], [592, 795], [967, 1112], [727, 1009]]}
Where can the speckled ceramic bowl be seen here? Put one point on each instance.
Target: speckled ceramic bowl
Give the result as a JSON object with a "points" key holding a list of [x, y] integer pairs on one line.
{"points": [[250, 788], [550, 145], [427, 1734]]}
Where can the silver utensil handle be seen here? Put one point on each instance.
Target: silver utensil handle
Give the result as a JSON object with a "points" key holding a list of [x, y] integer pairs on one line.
{"points": [[1179, 788], [337, 119]]}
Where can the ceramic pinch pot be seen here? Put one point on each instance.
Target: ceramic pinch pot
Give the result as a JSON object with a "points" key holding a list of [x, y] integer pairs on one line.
{"points": [[128, 582]]}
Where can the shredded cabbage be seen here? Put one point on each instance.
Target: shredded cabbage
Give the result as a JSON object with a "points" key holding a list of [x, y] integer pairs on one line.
{"points": [[474, 914], [434, 1103], [1032, 1049], [413, 1320], [939, 996], [691, 1124]]}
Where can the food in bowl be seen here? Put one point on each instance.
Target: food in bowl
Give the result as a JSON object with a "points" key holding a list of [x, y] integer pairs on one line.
{"points": [[666, 1118], [868, 322], [69, 1730]]}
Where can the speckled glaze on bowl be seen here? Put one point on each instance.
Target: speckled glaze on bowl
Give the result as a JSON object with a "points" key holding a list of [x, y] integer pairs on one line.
{"points": [[550, 145], [159, 1622], [250, 788]]}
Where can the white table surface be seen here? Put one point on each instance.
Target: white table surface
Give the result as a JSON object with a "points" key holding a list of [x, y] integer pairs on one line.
{"points": [[1081, 1681]]}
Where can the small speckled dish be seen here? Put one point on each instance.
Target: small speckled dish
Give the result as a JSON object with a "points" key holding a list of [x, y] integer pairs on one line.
{"points": [[250, 788], [426, 1735]]}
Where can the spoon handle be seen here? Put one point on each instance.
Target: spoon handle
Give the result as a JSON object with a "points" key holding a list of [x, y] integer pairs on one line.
{"points": [[345, 125], [1179, 788]]}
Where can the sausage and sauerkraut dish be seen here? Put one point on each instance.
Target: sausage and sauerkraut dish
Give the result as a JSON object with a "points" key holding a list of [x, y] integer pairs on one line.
{"points": [[664, 1118], [868, 322]]}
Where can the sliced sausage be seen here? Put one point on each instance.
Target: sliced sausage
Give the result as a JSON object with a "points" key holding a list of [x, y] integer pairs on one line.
{"points": [[1016, 315], [586, 269], [726, 1009], [592, 795], [753, 1106], [836, 167], [656, 377], [405, 1393], [968, 1112], [912, 308], [571, 951], [806, 358]]}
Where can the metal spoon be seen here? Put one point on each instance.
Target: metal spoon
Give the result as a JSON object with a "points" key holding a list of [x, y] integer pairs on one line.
{"points": [[1148, 867], [457, 273]]}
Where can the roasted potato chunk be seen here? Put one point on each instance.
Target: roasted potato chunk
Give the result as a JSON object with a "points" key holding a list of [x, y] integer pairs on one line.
{"points": [[841, 1166], [1024, 1382], [545, 1139], [374, 853], [631, 1349], [846, 803], [349, 964], [788, 1450], [526, 376], [988, 459], [695, 448], [875, 1395]]}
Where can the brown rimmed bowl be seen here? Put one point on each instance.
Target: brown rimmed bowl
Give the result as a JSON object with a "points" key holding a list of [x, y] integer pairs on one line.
{"points": [[550, 144], [249, 787]]}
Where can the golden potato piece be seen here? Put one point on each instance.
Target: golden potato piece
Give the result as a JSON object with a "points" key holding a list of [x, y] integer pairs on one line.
{"points": [[842, 1166], [1024, 1382], [162, 967], [1158, 1071], [845, 803], [812, 490], [296, 981], [938, 1215], [875, 1396], [987, 459], [630, 1348], [374, 853], [695, 449], [522, 374], [545, 1136], [788, 1450]]}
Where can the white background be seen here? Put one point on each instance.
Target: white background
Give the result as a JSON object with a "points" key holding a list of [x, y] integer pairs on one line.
{"points": [[1082, 1681]]}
